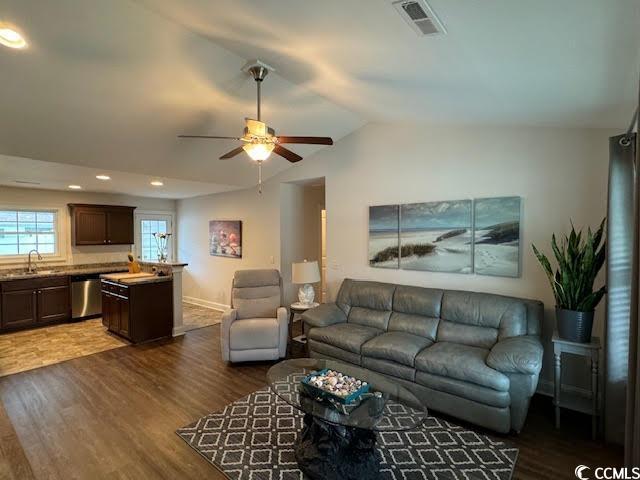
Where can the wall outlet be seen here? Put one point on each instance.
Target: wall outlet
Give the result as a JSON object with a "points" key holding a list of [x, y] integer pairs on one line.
{"points": [[272, 260]]}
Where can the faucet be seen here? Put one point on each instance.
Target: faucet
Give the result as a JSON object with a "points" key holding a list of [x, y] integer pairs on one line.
{"points": [[31, 268]]}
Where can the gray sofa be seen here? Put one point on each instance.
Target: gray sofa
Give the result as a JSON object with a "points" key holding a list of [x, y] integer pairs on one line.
{"points": [[475, 356]]}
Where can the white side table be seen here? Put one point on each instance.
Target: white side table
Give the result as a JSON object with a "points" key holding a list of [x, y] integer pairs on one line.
{"points": [[298, 308], [589, 405]]}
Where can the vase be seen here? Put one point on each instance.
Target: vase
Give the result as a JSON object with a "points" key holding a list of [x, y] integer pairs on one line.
{"points": [[574, 326], [162, 255]]}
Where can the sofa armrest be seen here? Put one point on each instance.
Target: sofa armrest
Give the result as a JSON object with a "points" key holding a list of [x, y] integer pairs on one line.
{"points": [[228, 317], [324, 315], [521, 354]]}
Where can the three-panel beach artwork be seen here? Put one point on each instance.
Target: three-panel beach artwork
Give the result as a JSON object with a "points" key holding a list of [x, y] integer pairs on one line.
{"points": [[479, 236]]}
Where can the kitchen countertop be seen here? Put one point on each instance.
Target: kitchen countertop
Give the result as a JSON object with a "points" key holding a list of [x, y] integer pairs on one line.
{"points": [[20, 274], [135, 278]]}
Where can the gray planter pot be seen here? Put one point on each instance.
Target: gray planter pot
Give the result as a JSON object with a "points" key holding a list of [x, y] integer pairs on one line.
{"points": [[574, 326]]}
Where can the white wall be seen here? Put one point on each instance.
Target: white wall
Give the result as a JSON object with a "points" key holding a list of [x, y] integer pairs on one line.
{"points": [[26, 197], [561, 174]]}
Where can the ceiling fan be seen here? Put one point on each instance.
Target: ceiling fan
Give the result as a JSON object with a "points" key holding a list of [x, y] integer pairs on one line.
{"points": [[260, 140]]}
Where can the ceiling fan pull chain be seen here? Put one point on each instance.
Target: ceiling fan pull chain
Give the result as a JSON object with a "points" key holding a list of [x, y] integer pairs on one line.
{"points": [[260, 177]]}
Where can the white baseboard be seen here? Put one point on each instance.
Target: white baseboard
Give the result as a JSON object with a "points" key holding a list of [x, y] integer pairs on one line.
{"points": [[221, 307]]}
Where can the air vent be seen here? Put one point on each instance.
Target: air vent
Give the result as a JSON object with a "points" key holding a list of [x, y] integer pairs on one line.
{"points": [[420, 17]]}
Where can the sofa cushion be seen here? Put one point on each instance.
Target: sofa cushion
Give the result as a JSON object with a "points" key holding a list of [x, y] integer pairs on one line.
{"points": [[505, 314], [369, 317], [459, 388], [323, 350], [415, 324], [389, 367], [473, 335], [418, 301], [347, 336], [254, 333], [461, 362], [399, 347]]}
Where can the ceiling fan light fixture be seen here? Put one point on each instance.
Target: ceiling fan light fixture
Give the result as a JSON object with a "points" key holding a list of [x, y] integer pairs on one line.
{"points": [[258, 151]]}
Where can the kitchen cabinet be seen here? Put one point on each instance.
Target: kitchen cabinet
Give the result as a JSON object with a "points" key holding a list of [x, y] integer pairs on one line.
{"points": [[31, 302], [138, 312], [101, 224]]}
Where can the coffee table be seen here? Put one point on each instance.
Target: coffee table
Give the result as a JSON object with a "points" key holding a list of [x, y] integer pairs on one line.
{"points": [[335, 445]]}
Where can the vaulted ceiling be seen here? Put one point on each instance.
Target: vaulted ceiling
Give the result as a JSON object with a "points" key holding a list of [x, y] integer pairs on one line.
{"points": [[109, 84]]}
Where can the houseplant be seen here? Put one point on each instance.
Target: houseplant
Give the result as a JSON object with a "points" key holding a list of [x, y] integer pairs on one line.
{"points": [[579, 261]]}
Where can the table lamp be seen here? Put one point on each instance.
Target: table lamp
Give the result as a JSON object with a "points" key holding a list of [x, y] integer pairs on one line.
{"points": [[305, 273]]}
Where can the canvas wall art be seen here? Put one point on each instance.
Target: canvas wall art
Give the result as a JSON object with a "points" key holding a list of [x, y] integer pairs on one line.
{"points": [[436, 236], [497, 236], [383, 236], [225, 238]]}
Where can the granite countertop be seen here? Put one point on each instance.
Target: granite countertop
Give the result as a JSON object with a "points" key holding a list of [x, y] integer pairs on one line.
{"points": [[163, 264], [19, 274], [135, 278]]}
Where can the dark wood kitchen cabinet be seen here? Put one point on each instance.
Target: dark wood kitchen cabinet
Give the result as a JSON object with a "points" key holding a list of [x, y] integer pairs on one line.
{"points": [[138, 312], [28, 303], [101, 224]]}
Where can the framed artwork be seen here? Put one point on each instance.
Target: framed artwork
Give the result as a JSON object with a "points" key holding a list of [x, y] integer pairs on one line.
{"points": [[497, 236], [225, 238], [384, 242], [436, 236]]}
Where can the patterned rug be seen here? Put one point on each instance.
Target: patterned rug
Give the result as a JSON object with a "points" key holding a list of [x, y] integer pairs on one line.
{"points": [[253, 438]]}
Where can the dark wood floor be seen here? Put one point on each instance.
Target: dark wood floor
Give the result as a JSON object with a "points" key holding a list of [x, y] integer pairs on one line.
{"points": [[114, 414]]}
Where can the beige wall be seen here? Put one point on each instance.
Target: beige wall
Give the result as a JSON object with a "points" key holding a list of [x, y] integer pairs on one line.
{"points": [[26, 197], [561, 174]]}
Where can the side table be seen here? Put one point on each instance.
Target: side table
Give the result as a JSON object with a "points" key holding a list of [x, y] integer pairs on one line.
{"points": [[298, 308], [589, 405]]}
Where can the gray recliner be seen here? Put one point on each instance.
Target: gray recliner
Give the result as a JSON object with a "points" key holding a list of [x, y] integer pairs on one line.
{"points": [[476, 356], [256, 325]]}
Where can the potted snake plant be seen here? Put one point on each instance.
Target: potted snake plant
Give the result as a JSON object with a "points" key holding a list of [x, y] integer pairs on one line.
{"points": [[579, 260]]}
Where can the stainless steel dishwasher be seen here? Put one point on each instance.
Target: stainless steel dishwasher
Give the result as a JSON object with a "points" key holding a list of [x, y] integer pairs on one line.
{"points": [[86, 298]]}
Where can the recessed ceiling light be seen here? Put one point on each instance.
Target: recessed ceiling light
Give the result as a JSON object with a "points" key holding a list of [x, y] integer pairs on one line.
{"points": [[157, 183], [75, 187], [9, 37], [103, 177]]}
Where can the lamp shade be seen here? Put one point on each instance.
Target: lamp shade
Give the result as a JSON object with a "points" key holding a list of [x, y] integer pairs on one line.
{"points": [[305, 272]]}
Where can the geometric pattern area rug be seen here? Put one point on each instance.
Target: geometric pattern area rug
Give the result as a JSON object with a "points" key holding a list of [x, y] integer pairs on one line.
{"points": [[253, 439]]}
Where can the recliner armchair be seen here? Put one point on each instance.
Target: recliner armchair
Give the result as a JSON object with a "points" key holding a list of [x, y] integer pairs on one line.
{"points": [[256, 325]]}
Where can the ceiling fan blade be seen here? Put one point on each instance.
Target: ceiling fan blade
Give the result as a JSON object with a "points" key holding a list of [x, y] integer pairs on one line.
{"points": [[232, 153], [288, 154], [209, 136], [306, 140]]}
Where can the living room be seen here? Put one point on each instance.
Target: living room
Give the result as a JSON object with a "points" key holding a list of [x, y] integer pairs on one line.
{"points": [[430, 161]]}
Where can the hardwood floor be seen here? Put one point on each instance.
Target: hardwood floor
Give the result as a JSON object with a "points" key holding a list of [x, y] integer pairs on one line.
{"points": [[114, 414]]}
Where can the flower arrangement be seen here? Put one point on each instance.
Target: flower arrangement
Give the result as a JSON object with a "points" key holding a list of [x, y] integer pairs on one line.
{"points": [[161, 242]]}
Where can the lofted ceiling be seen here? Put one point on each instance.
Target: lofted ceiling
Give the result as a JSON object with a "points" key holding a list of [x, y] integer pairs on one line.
{"points": [[109, 84]]}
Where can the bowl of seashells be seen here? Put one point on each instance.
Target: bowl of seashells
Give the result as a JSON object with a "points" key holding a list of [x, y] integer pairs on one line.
{"points": [[334, 386]]}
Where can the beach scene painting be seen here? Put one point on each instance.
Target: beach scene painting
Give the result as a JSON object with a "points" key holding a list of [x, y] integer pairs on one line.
{"points": [[225, 238], [436, 236], [497, 236], [384, 241]]}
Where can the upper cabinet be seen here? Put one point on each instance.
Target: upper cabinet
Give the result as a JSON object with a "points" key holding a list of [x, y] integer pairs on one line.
{"points": [[101, 224]]}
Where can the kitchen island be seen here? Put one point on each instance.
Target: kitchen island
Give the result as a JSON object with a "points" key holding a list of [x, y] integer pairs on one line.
{"points": [[138, 306]]}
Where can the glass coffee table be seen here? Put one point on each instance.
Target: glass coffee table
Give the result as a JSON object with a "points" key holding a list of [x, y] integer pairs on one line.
{"points": [[334, 444]]}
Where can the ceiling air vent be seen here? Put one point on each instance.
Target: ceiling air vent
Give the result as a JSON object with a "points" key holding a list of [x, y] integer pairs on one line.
{"points": [[420, 17]]}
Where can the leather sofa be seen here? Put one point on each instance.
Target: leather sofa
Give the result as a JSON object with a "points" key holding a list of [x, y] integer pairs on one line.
{"points": [[256, 325], [475, 356]]}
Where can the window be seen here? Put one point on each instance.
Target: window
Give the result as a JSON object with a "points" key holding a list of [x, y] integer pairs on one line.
{"points": [[146, 226], [23, 231]]}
